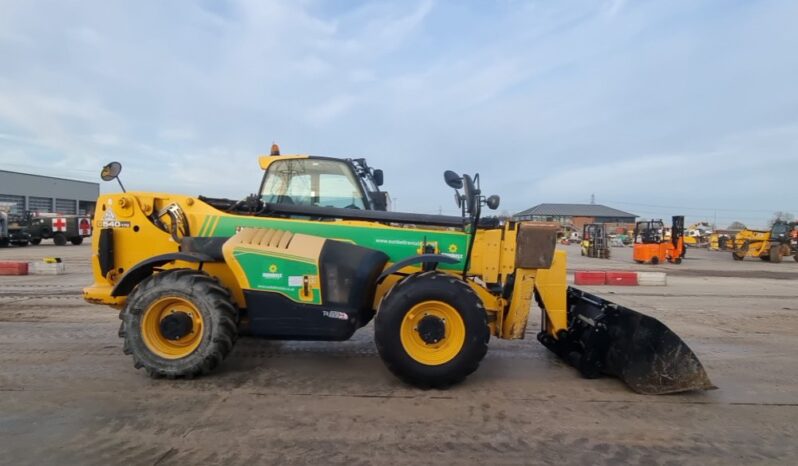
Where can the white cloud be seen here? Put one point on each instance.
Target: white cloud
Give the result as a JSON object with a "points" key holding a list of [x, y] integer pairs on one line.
{"points": [[660, 102]]}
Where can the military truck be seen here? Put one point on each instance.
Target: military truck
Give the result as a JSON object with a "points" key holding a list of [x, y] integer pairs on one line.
{"points": [[58, 227], [10, 232]]}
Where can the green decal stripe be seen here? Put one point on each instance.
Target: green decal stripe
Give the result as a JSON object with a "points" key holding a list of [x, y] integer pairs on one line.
{"points": [[212, 225], [202, 228]]}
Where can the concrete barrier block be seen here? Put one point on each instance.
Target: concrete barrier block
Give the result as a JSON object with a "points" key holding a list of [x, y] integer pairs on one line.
{"points": [[622, 278], [13, 268], [43, 268], [652, 278], [590, 277]]}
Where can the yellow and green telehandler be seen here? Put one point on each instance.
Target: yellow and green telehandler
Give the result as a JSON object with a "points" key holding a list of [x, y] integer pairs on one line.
{"points": [[315, 255]]}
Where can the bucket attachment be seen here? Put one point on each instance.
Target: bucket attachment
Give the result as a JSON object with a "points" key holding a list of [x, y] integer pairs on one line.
{"points": [[606, 338]]}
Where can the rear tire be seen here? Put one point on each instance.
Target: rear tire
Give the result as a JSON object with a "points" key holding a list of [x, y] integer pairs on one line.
{"points": [[795, 257], [77, 240], [35, 241], [60, 239], [737, 257], [451, 305], [212, 319]]}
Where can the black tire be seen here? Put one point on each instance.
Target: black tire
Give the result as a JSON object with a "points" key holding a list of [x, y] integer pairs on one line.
{"points": [[35, 241], [737, 257], [60, 239], [218, 313], [795, 257], [655, 260], [431, 286], [77, 240], [4, 243], [775, 254], [677, 261]]}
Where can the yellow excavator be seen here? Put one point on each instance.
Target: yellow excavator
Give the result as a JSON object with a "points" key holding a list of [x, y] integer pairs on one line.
{"points": [[315, 255]]}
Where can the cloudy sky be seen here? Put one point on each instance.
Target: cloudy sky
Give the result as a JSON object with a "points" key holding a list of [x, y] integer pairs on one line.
{"points": [[658, 108]]}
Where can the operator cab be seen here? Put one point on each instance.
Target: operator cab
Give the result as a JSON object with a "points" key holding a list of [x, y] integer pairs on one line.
{"points": [[649, 232], [300, 180], [780, 231]]}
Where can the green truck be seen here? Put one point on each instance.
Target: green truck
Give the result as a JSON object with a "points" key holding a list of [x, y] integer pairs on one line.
{"points": [[34, 227]]}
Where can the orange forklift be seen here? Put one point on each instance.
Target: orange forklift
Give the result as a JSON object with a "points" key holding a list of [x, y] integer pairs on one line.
{"points": [[654, 244]]}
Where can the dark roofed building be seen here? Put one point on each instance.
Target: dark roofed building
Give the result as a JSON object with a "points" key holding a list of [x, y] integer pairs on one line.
{"points": [[574, 216]]}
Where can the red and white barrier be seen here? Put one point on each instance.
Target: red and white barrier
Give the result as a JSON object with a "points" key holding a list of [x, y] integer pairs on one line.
{"points": [[619, 278]]}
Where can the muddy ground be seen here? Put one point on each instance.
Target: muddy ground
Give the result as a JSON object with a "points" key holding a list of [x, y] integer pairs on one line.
{"points": [[69, 396]]}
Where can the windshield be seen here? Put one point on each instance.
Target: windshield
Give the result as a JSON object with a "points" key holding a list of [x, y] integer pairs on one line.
{"points": [[779, 229], [313, 182]]}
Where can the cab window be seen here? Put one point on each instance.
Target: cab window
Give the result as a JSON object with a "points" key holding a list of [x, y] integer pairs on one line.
{"points": [[314, 182]]}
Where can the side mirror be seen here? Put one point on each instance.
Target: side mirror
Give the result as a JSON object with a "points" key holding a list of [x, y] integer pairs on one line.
{"points": [[111, 171], [493, 202], [452, 179], [471, 194], [378, 177]]}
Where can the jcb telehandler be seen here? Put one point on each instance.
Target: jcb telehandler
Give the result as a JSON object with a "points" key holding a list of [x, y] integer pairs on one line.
{"points": [[313, 256], [768, 245]]}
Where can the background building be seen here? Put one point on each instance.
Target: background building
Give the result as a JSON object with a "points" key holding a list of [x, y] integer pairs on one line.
{"points": [[47, 193], [574, 216]]}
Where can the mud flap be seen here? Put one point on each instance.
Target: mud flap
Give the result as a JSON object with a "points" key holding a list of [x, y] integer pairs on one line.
{"points": [[606, 338]]}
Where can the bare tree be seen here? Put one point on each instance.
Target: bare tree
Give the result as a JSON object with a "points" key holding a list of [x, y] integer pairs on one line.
{"points": [[736, 226]]}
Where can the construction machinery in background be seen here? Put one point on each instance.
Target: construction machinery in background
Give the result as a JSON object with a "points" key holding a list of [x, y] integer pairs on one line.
{"points": [[698, 235], [33, 227], [595, 242], [654, 243], [794, 241], [309, 258], [10, 233], [768, 245], [61, 228]]}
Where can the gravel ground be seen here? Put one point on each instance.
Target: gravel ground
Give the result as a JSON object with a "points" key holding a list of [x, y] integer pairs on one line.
{"points": [[69, 395]]}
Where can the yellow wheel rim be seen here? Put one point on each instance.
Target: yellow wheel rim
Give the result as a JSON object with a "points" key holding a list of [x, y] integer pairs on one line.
{"points": [[151, 328], [433, 353]]}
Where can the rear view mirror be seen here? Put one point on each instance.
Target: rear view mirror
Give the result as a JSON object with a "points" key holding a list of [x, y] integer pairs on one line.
{"points": [[493, 202], [111, 171], [452, 179], [378, 177]]}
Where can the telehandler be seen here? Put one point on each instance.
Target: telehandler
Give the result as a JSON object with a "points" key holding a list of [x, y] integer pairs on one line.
{"points": [[314, 256], [768, 245]]}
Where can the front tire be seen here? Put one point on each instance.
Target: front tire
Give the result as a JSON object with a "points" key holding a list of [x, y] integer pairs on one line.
{"points": [[59, 239], [35, 241], [431, 330], [178, 323], [77, 240], [775, 254]]}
